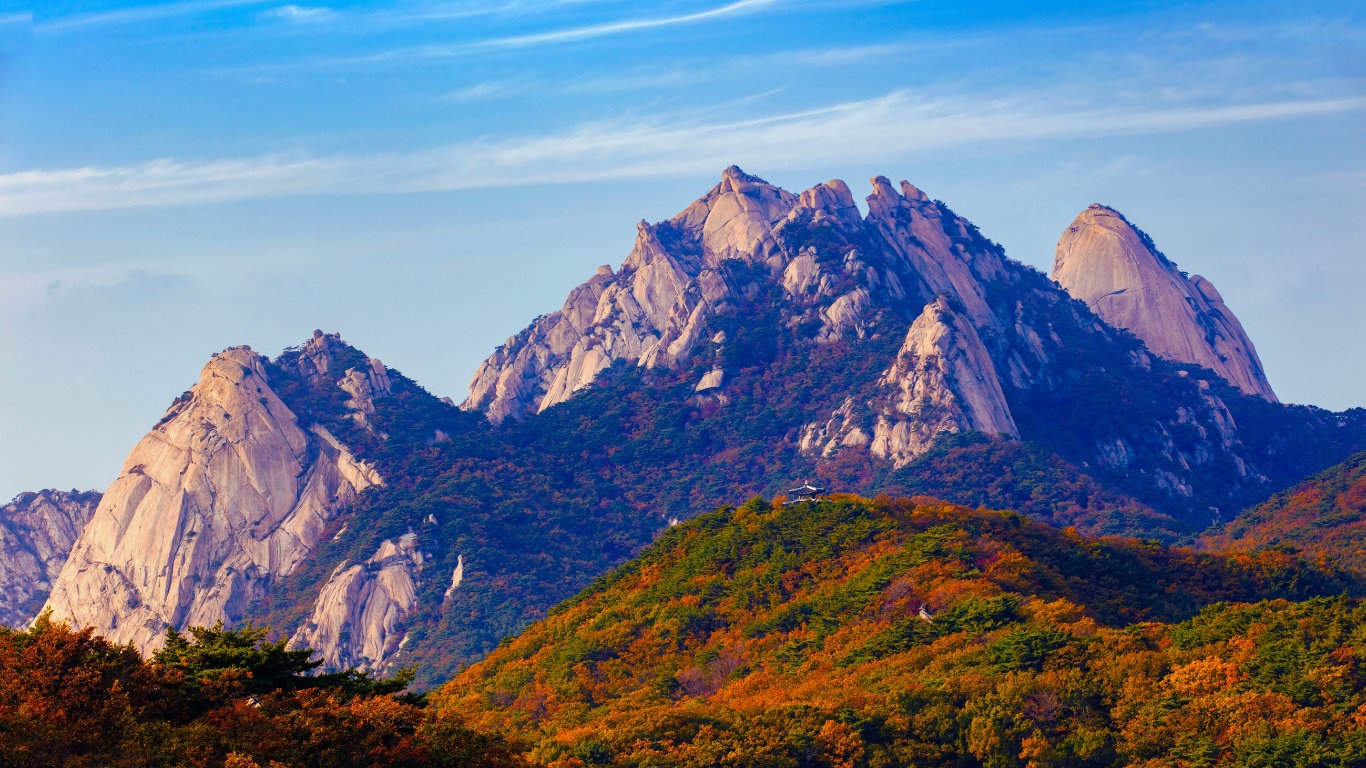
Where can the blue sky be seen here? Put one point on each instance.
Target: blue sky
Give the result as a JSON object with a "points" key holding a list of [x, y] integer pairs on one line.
{"points": [[426, 176]]}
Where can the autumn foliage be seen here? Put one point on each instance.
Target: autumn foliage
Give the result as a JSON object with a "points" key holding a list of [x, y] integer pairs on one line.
{"points": [[852, 633], [226, 699], [1323, 518]]}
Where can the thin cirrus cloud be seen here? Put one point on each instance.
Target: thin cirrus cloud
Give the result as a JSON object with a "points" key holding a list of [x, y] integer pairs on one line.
{"points": [[888, 126], [293, 12], [140, 14], [529, 40]]}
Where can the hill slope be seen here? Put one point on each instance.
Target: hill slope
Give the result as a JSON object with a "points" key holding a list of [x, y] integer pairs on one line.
{"points": [[851, 632], [1322, 517]]}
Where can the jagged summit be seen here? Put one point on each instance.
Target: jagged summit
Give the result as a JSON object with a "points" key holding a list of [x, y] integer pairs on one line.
{"points": [[1003, 354], [1116, 269], [652, 312]]}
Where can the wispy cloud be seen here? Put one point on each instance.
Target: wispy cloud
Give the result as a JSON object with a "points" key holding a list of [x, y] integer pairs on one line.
{"points": [[123, 285], [886, 128], [627, 25], [299, 13], [528, 40], [485, 90], [138, 14]]}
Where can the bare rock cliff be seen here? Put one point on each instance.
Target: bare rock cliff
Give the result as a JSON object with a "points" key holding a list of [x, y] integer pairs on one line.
{"points": [[649, 313], [357, 620], [225, 493], [37, 532], [943, 381], [1114, 268], [653, 311], [984, 331]]}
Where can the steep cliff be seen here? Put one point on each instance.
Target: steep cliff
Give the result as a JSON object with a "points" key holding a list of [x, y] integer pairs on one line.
{"points": [[1113, 267], [37, 531], [649, 313], [227, 492], [357, 621], [942, 382]]}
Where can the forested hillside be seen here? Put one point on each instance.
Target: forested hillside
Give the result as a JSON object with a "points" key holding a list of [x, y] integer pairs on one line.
{"points": [[1322, 518], [852, 632]]}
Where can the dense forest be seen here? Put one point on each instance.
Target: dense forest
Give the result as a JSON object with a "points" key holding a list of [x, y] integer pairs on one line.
{"points": [[1320, 518], [914, 632]]}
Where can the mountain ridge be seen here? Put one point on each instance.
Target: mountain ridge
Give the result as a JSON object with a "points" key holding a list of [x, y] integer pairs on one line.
{"points": [[808, 341]]}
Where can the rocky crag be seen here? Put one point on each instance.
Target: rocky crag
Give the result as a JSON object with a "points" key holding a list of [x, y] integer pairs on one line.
{"points": [[228, 491], [357, 621], [1114, 267], [37, 531]]}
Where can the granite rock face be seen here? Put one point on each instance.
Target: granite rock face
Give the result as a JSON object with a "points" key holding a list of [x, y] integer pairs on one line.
{"points": [[724, 247], [357, 620], [227, 492], [37, 532], [943, 381], [1113, 267], [648, 313]]}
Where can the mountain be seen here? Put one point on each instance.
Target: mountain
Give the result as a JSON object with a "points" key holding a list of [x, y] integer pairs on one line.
{"points": [[915, 632], [1116, 269], [37, 531], [987, 345], [1323, 517], [756, 338], [227, 491]]}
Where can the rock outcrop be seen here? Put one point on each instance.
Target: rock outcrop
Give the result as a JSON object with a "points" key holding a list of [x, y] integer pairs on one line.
{"points": [[943, 381], [37, 532], [654, 310], [990, 327], [1115, 268], [227, 492], [357, 620]]}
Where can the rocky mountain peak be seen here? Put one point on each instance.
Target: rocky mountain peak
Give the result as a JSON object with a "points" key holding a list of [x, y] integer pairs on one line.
{"points": [[943, 381], [735, 219], [225, 493], [831, 200], [1114, 267], [653, 311]]}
